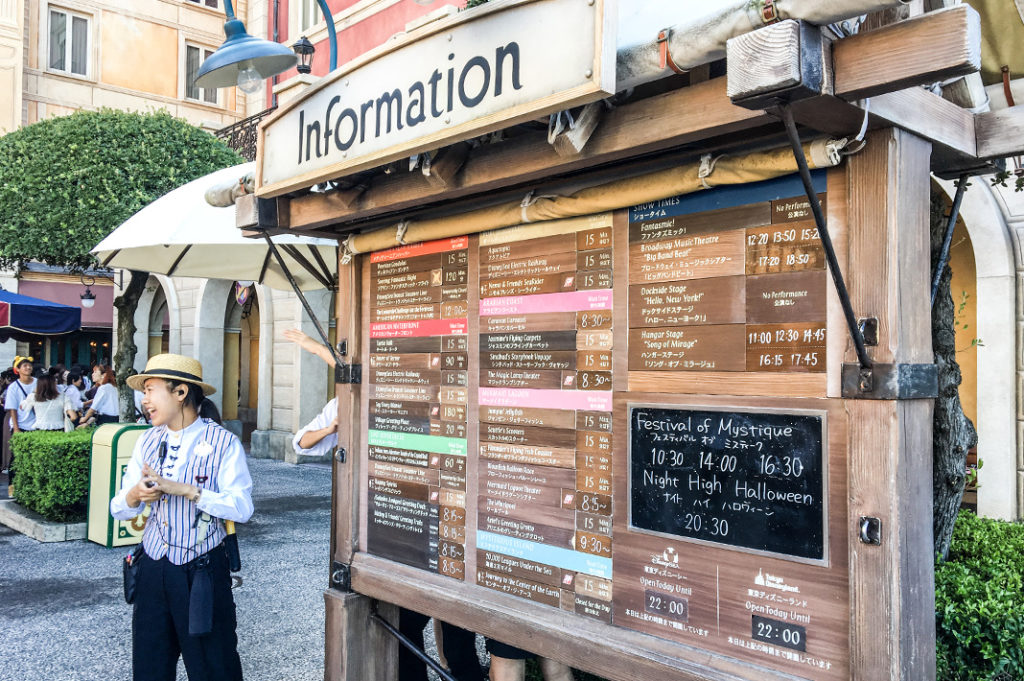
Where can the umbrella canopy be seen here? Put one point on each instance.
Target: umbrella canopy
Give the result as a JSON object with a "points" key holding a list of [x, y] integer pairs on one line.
{"points": [[22, 317], [181, 235]]}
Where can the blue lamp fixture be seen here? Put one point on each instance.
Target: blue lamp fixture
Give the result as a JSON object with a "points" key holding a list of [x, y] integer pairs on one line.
{"points": [[243, 60]]}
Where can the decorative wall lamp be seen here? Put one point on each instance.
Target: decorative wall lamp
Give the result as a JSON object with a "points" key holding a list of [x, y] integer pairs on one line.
{"points": [[305, 50], [243, 60], [88, 298]]}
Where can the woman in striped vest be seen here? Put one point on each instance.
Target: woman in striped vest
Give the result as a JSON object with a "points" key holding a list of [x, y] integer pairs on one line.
{"points": [[194, 475]]}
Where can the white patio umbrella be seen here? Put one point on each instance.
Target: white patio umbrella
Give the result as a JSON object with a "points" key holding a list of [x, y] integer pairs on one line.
{"points": [[180, 234]]}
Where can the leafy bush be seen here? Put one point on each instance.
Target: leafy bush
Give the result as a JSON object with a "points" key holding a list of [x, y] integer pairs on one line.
{"points": [[66, 182], [52, 473], [979, 602]]}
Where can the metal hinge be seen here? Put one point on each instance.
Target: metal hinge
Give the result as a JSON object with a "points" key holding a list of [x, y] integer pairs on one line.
{"points": [[348, 373]]}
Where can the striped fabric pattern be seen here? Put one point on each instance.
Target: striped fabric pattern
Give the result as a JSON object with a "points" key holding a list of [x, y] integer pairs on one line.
{"points": [[169, 530]]}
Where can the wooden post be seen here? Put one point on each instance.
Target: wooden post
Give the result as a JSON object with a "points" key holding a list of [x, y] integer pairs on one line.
{"points": [[355, 647], [891, 584]]}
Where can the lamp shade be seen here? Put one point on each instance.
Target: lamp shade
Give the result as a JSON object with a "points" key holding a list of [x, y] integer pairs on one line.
{"points": [[239, 52]]}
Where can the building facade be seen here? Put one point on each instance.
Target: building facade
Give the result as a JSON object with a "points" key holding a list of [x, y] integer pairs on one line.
{"points": [[63, 56]]}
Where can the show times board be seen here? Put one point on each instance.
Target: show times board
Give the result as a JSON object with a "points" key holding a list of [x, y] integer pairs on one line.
{"points": [[505, 451]]}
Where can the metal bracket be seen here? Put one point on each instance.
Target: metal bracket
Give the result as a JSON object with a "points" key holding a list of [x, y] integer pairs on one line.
{"points": [[890, 381], [341, 576], [409, 645], [869, 530], [348, 373], [340, 454]]}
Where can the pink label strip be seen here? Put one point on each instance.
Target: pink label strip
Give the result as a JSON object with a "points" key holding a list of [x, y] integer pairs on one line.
{"points": [[585, 400], [573, 301], [419, 329]]}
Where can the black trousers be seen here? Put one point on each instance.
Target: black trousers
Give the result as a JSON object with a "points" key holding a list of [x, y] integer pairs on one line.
{"points": [[459, 649], [160, 623]]}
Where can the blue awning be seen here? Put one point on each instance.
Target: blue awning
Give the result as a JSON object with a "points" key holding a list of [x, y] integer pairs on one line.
{"points": [[22, 317]]}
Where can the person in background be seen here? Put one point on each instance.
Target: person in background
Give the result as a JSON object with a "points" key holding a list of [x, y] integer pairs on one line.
{"points": [[319, 437], [92, 382], [46, 403], [104, 406], [7, 377], [73, 397], [19, 419]]}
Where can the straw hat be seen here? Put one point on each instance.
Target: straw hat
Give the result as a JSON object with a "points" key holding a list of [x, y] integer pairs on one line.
{"points": [[174, 368]]}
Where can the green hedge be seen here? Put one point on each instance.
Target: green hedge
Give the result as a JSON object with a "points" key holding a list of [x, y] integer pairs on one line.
{"points": [[52, 473], [979, 602]]}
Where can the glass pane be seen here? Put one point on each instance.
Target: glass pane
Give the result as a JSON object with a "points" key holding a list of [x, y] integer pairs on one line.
{"points": [[310, 14], [209, 94], [191, 67], [58, 39], [212, 3], [79, 45]]}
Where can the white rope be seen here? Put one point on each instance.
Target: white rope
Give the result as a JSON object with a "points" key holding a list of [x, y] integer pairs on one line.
{"points": [[402, 228], [707, 166]]}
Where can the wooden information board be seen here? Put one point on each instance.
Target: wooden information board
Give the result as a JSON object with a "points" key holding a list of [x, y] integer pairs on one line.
{"points": [[525, 435]]}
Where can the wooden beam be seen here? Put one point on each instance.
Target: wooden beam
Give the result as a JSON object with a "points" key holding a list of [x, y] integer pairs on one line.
{"points": [[928, 48], [564, 636], [891, 584], [1000, 134]]}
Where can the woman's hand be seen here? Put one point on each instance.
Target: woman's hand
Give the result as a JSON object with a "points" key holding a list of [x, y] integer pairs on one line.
{"points": [[145, 490], [165, 486]]}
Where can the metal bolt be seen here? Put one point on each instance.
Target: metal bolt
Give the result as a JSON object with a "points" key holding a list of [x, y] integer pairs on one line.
{"points": [[450, 37], [588, 73]]}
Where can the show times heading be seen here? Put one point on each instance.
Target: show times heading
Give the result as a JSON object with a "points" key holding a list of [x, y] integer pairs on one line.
{"points": [[343, 125]]}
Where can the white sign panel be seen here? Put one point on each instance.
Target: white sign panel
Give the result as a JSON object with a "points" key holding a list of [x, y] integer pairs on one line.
{"points": [[478, 71]]}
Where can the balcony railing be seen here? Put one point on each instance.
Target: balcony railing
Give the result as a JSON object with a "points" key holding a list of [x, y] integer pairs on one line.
{"points": [[241, 136]]}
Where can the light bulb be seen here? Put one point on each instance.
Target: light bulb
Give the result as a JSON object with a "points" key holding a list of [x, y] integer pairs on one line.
{"points": [[249, 80]]}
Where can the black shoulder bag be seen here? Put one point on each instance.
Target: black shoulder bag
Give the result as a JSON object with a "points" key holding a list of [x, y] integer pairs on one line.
{"points": [[131, 565]]}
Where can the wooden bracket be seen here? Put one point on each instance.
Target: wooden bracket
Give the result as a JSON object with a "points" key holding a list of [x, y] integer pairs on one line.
{"points": [[447, 164], [571, 142]]}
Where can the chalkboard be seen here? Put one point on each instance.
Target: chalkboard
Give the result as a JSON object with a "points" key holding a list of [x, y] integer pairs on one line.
{"points": [[748, 480]]}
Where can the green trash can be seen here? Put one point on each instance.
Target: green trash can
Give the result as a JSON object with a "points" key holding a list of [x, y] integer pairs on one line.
{"points": [[112, 446]]}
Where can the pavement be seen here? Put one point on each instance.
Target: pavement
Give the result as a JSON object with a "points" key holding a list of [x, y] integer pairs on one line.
{"points": [[63, 615]]}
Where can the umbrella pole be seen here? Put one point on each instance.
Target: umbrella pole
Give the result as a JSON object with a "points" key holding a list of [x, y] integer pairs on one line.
{"points": [[339, 361]]}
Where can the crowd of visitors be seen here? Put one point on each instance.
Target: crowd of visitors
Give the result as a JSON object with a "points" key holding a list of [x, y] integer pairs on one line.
{"points": [[54, 398]]}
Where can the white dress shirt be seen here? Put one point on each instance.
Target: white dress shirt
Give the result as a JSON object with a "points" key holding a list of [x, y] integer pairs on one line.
{"points": [[227, 496], [17, 393], [322, 420], [74, 397], [106, 401]]}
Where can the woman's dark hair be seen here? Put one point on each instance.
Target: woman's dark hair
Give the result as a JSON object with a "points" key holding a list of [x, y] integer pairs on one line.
{"points": [[193, 398], [46, 388], [208, 410]]}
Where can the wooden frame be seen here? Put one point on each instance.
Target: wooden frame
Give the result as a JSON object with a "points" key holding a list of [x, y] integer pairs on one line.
{"points": [[889, 609]]}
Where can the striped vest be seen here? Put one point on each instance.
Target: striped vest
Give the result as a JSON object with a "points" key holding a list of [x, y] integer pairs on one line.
{"points": [[170, 530]]}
